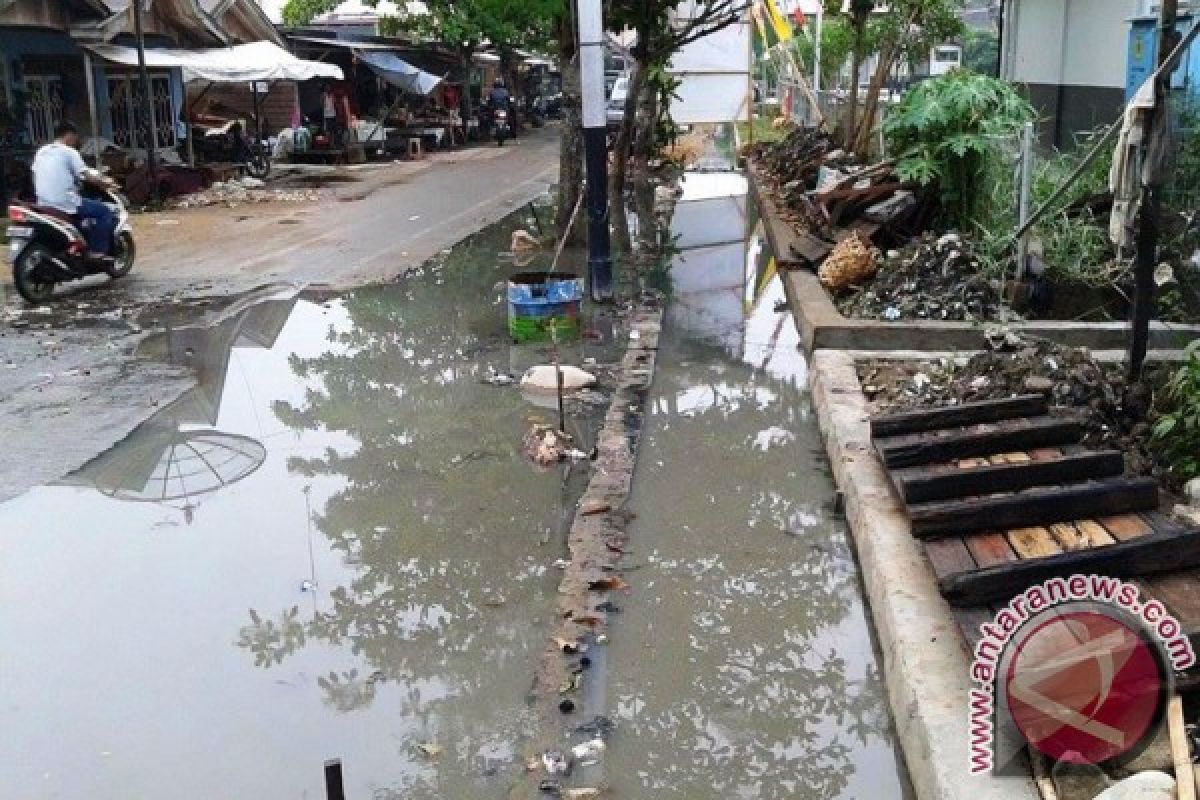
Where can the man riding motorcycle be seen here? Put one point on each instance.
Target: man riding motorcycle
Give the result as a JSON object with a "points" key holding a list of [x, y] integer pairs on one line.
{"points": [[58, 171]]}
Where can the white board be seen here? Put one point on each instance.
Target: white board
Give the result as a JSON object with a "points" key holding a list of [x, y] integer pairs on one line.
{"points": [[714, 74]]}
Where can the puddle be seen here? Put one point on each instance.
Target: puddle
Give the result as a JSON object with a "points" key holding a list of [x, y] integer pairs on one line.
{"points": [[742, 664], [331, 548]]}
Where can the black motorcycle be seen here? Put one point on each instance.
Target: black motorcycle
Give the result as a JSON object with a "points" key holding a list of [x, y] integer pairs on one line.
{"points": [[46, 247], [502, 129]]}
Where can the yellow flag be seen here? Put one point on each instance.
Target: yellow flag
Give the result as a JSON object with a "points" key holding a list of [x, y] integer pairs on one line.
{"points": [[782, 28]]}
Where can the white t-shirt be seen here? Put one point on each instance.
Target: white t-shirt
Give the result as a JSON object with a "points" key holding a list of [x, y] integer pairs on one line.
{"points": [[57, 170]]}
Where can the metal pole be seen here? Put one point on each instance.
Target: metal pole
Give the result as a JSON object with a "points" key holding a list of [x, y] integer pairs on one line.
{"points": [[591, 68], [1147, 237], [93, 116], [147, 104], [816, 81], [1026, 185]]}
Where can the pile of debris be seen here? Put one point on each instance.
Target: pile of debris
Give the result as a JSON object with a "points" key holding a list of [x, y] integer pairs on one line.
{"points": [[242, 191], [931, 278], [1115, 412], [826, 194]]}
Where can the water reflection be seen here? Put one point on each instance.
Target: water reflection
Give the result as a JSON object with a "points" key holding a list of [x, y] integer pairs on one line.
{"points": [[373, 590], [743, 665]]}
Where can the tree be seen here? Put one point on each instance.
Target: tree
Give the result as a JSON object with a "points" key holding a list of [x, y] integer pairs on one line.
{"points": [[837, 43], [661, 31], [981, 51]]}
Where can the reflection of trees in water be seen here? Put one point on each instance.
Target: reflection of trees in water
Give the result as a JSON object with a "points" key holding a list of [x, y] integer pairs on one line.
{"points": [[437, 516], [747, 691]]}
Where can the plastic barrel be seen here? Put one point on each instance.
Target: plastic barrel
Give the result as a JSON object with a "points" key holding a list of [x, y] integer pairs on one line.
{"points": [[542, 305]]}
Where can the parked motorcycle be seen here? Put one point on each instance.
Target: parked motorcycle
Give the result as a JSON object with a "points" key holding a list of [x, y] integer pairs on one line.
{"points": [[501, 126], [46, 247]]}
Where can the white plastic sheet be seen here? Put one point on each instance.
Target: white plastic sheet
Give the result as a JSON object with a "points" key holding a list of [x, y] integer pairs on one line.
{"points": [[243, 63]]}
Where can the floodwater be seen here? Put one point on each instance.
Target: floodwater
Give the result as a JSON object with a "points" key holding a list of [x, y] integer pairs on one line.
{"points": [[331, 549], [742, 664]]}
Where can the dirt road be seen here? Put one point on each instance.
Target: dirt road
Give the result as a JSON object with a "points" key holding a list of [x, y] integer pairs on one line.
{"points": [[71, 383]]}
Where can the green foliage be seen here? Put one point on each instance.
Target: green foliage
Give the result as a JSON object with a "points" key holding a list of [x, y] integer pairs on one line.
{"points": [[940, 131], [1177, 431], [1074, 242], [837, 42], [981, 51]]}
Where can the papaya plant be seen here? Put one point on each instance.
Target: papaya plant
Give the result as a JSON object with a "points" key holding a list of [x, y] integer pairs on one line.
{"points": [[940, 132]]}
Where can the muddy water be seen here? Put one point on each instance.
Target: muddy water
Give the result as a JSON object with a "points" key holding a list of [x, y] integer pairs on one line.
{"points": [[742, 664], [330, 549]]}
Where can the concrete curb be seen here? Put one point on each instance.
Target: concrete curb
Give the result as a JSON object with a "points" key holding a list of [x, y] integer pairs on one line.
{"points": [[924, 658], [822, 326]]}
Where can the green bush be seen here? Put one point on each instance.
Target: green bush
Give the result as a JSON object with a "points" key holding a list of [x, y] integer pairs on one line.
{"points": [[941, 130], [1177, 430]]}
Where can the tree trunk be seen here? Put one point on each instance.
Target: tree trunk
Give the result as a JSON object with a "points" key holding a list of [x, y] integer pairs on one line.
{"points": [[861, 142], [856, 65], [570, 148], [620, 160], [646, 131], [466, 108]]}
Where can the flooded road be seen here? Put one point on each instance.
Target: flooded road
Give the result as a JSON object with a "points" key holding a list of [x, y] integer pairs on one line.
{"points": [[331, 549], [742, 665]]}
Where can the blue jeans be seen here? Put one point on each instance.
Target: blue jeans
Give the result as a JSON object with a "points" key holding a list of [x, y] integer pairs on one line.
{"points": [[99, 232]]}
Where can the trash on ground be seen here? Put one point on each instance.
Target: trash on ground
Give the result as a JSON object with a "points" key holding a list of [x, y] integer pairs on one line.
{"points": [[545, 446], [555, 762], [544, 378], [588, 752]]}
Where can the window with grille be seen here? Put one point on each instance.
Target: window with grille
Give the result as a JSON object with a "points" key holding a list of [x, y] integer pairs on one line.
{"points": [[43, 106], [130, 128]]}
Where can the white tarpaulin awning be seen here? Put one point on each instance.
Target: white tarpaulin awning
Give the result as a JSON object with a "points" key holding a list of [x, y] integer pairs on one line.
{"points": [[398, 72], [243, 63]]}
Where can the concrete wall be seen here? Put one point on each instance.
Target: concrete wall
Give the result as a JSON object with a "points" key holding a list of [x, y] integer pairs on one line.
{"points": [[1070, 55]]}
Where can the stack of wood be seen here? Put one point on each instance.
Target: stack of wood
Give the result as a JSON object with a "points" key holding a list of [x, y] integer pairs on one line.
{"points": [[826, 195]]}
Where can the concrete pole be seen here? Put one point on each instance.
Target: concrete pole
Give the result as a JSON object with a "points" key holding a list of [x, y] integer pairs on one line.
{"points": [[93, 115], [591, 68], [147, 99]]}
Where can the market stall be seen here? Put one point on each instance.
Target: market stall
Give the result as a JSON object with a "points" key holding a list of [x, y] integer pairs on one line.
{"points": [[434, 124], [258, 64]]}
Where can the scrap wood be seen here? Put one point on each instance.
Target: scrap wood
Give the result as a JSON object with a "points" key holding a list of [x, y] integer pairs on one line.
{"points": [[1181, 753]]}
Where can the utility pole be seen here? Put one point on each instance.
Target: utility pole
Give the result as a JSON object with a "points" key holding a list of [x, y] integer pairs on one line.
{"points": [[1147, 235], [591, 68], [147, 108]]}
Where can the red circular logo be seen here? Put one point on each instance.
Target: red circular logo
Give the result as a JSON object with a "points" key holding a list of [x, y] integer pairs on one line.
{"points": [[1084, 687]]}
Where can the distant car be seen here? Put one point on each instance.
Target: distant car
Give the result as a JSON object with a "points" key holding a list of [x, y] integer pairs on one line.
{"points": [[615, 112]]}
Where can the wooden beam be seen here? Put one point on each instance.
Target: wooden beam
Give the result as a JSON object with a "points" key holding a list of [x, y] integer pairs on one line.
{"points": [[949, 556], [1150, 554], [923, 485], [932, 419], [1181, 750], [912, 450], [1042, 506]]}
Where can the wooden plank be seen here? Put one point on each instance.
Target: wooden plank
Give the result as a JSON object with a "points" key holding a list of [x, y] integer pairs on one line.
{"points": [[989, 549], [1033, 542], [1041, 506], [1095, 533], [932, 419], [1181, 750], [1125, 527], [923, 485], [1159, 552], [810, 248], [949, 556], [969, 621], [1180, 593], [932, 447], [1069, 536]]}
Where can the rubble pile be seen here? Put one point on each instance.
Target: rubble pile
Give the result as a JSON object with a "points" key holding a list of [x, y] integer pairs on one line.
{"points": [[931, 278], [1114, 411], [242, 191]]}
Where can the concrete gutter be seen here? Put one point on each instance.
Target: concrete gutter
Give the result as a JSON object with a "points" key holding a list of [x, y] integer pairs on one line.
{"points": [[822, 326], [925, 660]]}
